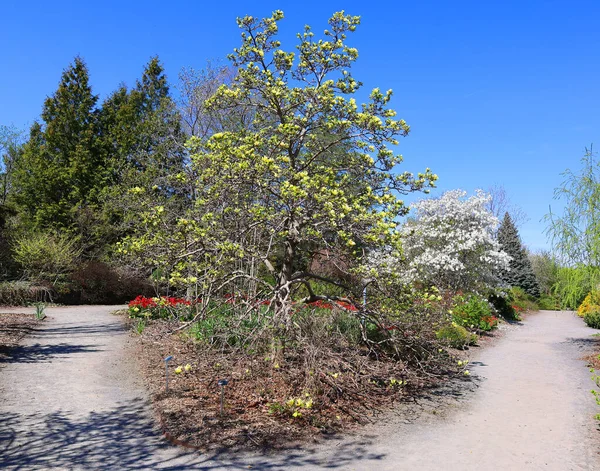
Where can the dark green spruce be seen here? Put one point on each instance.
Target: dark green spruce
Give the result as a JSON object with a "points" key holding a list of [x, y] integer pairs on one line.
{"points": [[521, 272]]}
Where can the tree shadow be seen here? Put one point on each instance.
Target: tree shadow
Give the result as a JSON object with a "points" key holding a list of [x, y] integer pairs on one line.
{"points": [[42, 353], [123, 438], [107, 328]]}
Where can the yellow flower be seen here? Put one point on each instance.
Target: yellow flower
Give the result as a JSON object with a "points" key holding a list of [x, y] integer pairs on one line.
{"points": [[187, 367], [466, 373], [178, 370]]}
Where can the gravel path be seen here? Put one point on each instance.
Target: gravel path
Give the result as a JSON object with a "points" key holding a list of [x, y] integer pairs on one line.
{"points": [[70, 399]]}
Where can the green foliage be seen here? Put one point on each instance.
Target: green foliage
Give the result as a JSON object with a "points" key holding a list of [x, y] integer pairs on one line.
{"points": [[312, 169], [576, 234], [596, 394], [456, 336], [522, 301], [474, 312], [221, 327], [548, 303], [574, 283], [140, 326], [520, 272], [503, 304], [46, 257], [592, 318], [61, 171], [545, 267], [39, 311]]}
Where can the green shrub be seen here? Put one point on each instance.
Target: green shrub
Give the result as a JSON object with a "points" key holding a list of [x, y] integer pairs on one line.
{"points": [[502, 302], [521, 301], [548, 303], [45, 257], [456, 336], [473, 312], [592, 318]]}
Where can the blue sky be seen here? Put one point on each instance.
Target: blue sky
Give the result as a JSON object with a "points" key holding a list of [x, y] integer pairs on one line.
{"points": [[496, 92]]}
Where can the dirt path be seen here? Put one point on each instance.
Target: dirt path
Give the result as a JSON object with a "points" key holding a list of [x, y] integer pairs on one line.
{"points": [[70, 399]]}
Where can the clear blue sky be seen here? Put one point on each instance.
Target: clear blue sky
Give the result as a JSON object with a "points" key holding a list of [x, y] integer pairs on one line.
{"points": [[496, 92]]}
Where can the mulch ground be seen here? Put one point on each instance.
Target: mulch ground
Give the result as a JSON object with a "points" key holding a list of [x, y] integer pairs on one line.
{"points": [[13, 327], [190, 413]]}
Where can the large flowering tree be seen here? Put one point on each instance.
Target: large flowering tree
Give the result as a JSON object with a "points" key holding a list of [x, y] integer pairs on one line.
{"points": [[311, 174], [450, 242]]}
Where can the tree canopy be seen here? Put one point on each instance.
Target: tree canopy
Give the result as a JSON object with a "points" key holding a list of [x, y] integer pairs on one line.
{"points": [[313, 171]]}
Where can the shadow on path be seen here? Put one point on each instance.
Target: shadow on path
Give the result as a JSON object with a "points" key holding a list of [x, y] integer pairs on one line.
{"points": [[123, 438], [42, 353]]}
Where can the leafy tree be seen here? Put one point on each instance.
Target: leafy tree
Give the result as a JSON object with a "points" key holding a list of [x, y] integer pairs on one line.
{"points": [[545, 267], [450, 242], [520, 272], [576, 234], [271, 195]]}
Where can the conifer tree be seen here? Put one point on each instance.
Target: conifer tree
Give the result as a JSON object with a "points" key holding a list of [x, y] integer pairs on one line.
{"points": [[60, 172], [520, 271]]}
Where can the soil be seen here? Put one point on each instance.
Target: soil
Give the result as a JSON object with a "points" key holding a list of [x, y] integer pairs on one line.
{"points": [[13, 327], [71, 398]]}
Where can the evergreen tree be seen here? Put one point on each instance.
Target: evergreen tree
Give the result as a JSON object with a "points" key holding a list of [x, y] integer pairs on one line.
{"points": [[520, 271], [144, 145], [61, 170]]}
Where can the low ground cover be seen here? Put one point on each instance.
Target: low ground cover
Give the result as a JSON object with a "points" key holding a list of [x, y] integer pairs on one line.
{"points": [[321, 378]]}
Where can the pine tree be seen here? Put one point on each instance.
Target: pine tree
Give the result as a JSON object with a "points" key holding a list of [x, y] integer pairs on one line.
{"points": [[520, 271]]}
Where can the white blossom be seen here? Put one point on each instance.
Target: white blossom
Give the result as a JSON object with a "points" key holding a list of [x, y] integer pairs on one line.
{"points": [[450, 242]]}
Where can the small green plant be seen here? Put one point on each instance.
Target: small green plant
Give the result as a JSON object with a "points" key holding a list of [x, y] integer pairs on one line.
{"points": [[39, 311], [596, 379], [139, 327], [456, 336]]}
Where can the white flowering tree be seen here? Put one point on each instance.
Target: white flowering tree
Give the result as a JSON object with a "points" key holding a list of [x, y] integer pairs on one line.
{"points": [[450, 242]]}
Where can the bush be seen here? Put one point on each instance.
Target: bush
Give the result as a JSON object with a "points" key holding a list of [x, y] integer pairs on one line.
{"points": [[45, 256], [473, 312], [23, 293], [99, 283], [456, 336], [502, 303], [548, 303], [521, 301], [592, 318], [591, 303]]}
